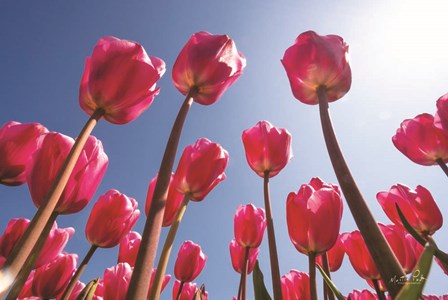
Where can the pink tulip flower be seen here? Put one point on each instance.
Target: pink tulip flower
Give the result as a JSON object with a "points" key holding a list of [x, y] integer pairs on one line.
{"points": [[362, 295], [173, 201], [313, 216], [129, 246], [268, 148], [111, 218], [18, 142], [334, 256], [187, 292], [165, 280], [418, 207], [51, 279], [433, 297], [79, 286], [441, 116], [420, 141], [201, 167], [190, 262], [316, 61], [249, 225], [27, 289], [237, 255], [84, 180], [209, 63], [119, 78], [295, 285]]}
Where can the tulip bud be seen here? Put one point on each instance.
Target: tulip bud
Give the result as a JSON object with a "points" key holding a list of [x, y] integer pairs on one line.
{"points": [[116, 281], [201, 167], [209, 63], [249, 225], [268, 148], [84, 180], [237, 255], [129, 246], [420, 141], [18, 142], [316, 61], [188, 290], [313, 216], [111, 218], [190, 262], [418, 207], [119, 78], [295, 285]]}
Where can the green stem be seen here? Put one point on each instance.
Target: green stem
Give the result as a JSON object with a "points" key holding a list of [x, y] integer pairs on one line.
{"points": [[31, 260], [141, 276], [443, 166], [26, 243], [312, 273], [244, 274], [385, 261], [167, 246], [79, 271], [328, 294], [275, 270]]}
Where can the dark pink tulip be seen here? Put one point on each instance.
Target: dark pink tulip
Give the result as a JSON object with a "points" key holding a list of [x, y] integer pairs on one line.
{"points": [[237, 254], [249, 225], [334, 256], [318, 61], [359, 255], [79, 286], [442, 265], [433, 297], [362, 295], [111, 218], [268, 148], [313, 216], [2, 261], [441, 116], [55, 243], [119, 78], [18, 142], [27, 289], [116, 281], [173, 201], [418, 207], [129, 246], [420, 141], [51, 279], [295, 286], [210, 63], [188, 290], [84, 180], [200, 169], [190, 262]]}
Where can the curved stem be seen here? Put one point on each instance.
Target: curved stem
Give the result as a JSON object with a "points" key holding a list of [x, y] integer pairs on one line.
{"points": [[443, 166], [31, 260], [138, 287], [379, 292], [82, 266], [312, 273], [180, 290], [244, 274], [385, 261], [167, 246], [26, 243], [328, 293], [275, 270]]}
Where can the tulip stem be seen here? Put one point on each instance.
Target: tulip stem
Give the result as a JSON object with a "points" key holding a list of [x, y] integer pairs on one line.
{"points": [[312, 273], [180, 290], [23, 248], [138, 287], [328, 294], [243, 281], [167, 246], [379, 292], [275, 270], [443, 166], [385, 261], [81, 268], [31, 260]]}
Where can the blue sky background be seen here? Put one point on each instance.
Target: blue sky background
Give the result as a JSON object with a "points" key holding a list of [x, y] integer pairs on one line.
{"points": [[399, 66]]}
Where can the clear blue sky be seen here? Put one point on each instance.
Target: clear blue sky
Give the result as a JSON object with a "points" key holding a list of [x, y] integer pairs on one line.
{"points": [[399, 66]]}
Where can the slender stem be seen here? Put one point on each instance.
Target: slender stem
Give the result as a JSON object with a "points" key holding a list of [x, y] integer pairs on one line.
{"points": [[82, 266], [385, 261], [442, 165], [167, 246], [26, 243], [328, 294], [312, 273], [31, 260], [379, 292], [244, 274], [180, 290], [240, 287], [275, 270], [138, 287]]}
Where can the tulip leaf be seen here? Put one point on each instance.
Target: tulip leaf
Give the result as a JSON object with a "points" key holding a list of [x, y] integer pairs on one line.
{"points": [[330, 284], [260, 291], [413, 288], [89, 290]]}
